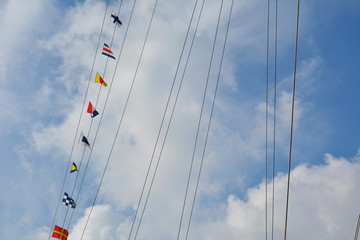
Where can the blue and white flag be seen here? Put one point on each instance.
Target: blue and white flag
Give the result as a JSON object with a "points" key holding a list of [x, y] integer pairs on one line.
{"points": [[115, 19], [83, 140], [68, 201], [107, 52]]}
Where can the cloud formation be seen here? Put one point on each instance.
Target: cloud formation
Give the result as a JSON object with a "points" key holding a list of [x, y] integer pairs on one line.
{"points": [[42, 104], [317, 193]]}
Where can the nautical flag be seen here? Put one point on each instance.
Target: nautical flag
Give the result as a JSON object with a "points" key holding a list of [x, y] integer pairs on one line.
{"points": [[83, 140], [99, 79], [73, 168], [115, 19], [60, 233], [107, 52], [92, 110], [68, 201]]}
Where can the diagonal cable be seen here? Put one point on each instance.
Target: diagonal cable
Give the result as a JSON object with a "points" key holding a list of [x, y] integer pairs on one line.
{"points": [[200, 119], [122, 116], [161, 125], [357, 229], [209, 124], [78, 124], [167, 129], [90, 127], [266, 117], [292, 121], [274, 125]]}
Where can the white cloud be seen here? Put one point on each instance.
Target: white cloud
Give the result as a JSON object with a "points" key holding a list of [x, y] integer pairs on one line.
{"points": [[21, 23], [234, 159], [101, 226], [39, 233], [317, 193], [136, 139]]}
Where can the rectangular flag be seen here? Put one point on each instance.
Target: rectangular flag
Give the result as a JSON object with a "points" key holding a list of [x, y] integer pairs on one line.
{"points": [[99, 79], [92, 110], [60, 233], [83, 140], [68, 201], [107, 52], [73, 168]]}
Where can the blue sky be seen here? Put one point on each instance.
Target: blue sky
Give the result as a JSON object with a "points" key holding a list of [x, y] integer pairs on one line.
{"points": [[47, 49]]}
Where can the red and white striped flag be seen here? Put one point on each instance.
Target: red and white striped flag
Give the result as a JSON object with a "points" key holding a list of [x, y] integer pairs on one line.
{"points": [[107, 52]]}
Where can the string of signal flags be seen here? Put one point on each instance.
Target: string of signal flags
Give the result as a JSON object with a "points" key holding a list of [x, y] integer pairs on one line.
{"points": [[59, 232]]}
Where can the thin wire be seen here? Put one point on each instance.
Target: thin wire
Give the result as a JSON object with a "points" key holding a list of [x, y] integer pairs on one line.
{"points": [[266, 118], [168, 126], [162, 122], [357, 229], [81, 160], [199, 121], [78, 125], [292, 119], [122, 116], [274, 126], [101, 116], [120, 52], [90, 127], [73, 189], [209, 124]]}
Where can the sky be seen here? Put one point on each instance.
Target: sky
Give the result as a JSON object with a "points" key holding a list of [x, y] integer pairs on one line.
{"points": [[50, 53]]}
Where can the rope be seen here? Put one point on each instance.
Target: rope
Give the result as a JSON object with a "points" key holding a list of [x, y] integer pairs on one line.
{"points": [[357, 229], [72, 192], [266, 117], [199, 122], [209, 124], [78, 124], [90, 127], [110, 87], [123, 113], [161, 125], [274, 126], [292, 119], [168, 127]]}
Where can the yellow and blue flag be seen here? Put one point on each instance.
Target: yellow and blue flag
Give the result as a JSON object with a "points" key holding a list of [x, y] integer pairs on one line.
{"points": [[73, 168]]}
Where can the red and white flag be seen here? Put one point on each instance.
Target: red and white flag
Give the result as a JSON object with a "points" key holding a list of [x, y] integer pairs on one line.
{"points": [[107, 52], [92, 110]]}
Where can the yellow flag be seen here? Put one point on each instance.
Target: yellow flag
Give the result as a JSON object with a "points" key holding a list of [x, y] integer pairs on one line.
{"points": [[73, 168], [99, 79]]}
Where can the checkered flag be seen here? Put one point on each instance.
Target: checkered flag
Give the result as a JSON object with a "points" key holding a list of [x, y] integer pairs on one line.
{"points": [[68, 201]]}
